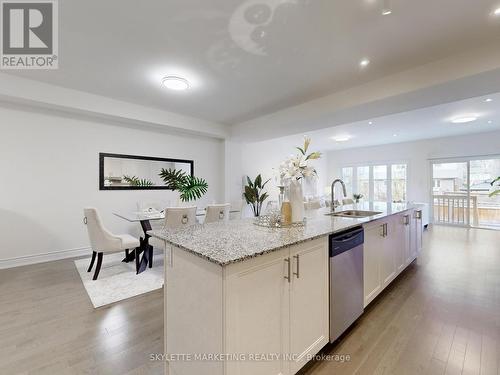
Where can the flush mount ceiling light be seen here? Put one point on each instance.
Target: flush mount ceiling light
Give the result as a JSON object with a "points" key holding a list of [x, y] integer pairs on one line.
{"points": [[341, 138], [488, 100], [496, 12], [464, 119], [175, 83], [364, 63]]}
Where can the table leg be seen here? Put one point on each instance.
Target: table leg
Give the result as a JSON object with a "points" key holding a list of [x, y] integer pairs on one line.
{"points": [[129, 256], [145, 247]]}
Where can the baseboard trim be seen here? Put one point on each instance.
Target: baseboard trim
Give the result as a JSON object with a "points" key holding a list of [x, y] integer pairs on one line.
{"points": [[42, 258]]}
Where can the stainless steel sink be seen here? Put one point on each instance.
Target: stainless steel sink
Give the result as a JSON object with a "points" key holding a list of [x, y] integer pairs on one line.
{"points": [[354, 213]]}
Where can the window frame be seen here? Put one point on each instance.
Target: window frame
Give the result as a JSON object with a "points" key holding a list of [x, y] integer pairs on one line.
{"points": [[370, 165]]}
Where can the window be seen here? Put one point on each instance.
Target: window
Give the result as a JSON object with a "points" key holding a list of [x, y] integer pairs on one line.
{"points": [[363, 185], [383, 182], [347, 177], [398, 177], [380, 183]]}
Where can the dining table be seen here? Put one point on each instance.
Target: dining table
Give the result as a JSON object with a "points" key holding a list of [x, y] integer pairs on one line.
{"points": [[145, 218]]}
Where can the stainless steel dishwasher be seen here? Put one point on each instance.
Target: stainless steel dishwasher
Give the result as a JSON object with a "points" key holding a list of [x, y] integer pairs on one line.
{"points": [[346, 280]]}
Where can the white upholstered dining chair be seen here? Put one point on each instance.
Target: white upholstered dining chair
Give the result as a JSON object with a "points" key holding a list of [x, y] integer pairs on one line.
{"points": [[217, 212], [175, 217], [103, 241]]}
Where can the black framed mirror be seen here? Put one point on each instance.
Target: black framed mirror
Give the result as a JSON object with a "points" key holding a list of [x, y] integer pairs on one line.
{"points": [[133, 172]]}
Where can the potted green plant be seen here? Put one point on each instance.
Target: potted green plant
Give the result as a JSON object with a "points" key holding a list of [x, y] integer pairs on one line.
{"points": [[255, 195], [357, 197], [189, 187]]}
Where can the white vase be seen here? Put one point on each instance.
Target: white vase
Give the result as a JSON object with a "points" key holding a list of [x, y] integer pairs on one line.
{"points": [[297, 201]]}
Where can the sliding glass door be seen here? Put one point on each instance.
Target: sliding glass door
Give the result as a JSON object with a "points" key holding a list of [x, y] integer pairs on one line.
{"points": [[460, 192], [450, 195]]}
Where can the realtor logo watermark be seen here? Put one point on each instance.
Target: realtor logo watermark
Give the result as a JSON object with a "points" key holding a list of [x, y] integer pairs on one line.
{"points": [[29, 37]]}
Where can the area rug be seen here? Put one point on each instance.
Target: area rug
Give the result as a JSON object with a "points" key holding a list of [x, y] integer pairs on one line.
{"points": [[117, 280]]}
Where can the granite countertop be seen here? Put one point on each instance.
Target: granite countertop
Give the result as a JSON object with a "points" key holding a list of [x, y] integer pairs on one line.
{"points": [[236, 240]]}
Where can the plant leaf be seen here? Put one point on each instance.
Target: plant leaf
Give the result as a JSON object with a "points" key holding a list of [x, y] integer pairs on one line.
{"points": [[193, 188], [313, 156], [494, 193], [173, 178], [136, 181], [250, 194], [249, 182], [301, 150], [258, 181]]}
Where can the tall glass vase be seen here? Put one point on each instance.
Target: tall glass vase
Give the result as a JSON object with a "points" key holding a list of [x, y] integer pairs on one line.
{"points": [[297, 201]]}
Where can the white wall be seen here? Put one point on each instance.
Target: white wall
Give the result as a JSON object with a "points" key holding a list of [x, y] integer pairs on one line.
{"points": [[49, 172], [417, 154]]}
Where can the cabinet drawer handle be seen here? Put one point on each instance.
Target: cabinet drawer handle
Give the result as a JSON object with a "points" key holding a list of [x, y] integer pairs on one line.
{"points": [[298, 266], [419, 214], [384, 230], [407, 219], [287, 260]]}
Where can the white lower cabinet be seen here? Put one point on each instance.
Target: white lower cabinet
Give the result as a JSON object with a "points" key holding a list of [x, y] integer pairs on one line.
{"points": [[258, 313], [371, 259], [391, 244], [309, 302], [278, 304]]}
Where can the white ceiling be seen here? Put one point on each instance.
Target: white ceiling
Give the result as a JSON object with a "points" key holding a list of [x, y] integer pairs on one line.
{"points": [[426, 123], [249, 58]]}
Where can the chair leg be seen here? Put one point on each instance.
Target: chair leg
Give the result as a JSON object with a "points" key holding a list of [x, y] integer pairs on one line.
{"points": [[150, 256], [126, 253], [136, 260], [92, 261], [98, 266]]}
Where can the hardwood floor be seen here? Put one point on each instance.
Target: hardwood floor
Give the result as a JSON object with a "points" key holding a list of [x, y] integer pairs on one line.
{"points": [[441, 316], [49, 326]]}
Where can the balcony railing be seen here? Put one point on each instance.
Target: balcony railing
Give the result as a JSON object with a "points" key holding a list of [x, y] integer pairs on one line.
{"points": [[453, 209]]}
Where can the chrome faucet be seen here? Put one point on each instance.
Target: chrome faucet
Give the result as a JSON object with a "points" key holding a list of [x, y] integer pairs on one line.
{"points": [[344, 191]]}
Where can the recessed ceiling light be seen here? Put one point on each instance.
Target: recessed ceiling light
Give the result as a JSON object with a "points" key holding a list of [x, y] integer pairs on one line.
{"points": [[488, 100], [386, 12], [394, 135], [496, 12], [370, 122], [364, 63], [341, 138], [464, 119], [175, 83], [490, 122]]}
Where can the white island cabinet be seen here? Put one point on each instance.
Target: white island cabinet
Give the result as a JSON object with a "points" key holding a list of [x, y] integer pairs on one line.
{"points": [[391, 244], [241, 299], [268, 314]]}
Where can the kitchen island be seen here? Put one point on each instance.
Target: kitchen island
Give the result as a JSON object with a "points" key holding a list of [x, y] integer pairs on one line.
{"points": [[244, 299]]}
